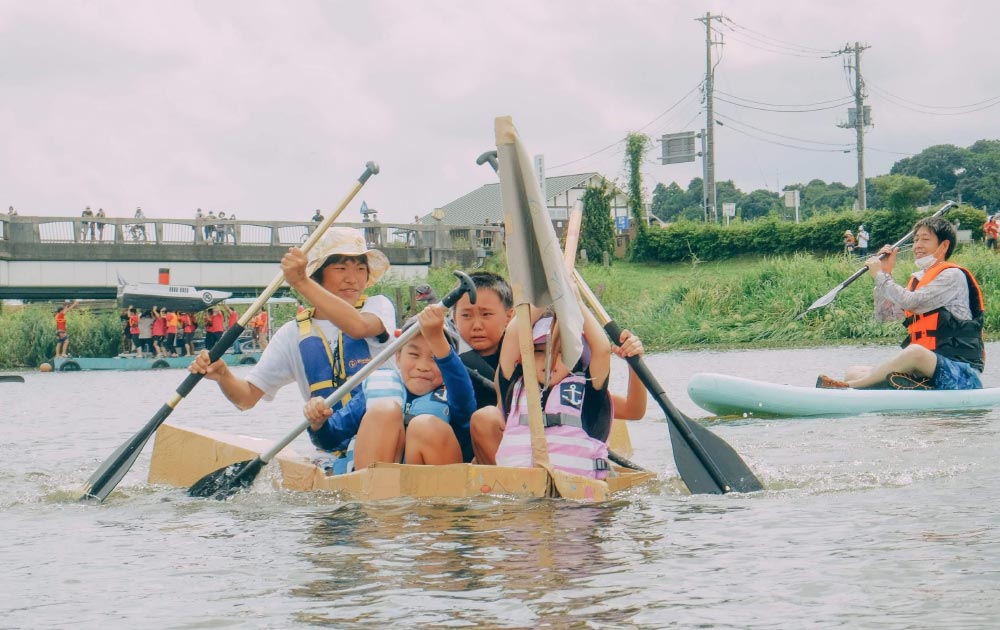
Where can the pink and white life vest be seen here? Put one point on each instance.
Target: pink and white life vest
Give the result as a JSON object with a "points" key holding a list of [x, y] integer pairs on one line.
{"points": [[570, 448]]}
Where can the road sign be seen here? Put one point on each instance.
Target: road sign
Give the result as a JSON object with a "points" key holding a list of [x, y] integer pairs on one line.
{"points": [[678, 147]]}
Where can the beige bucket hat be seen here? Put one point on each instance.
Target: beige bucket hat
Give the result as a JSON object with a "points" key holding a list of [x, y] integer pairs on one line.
{"points": [[347, 241]]}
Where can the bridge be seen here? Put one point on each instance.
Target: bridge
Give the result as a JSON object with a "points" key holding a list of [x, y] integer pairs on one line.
{"points": [[44, 258]]}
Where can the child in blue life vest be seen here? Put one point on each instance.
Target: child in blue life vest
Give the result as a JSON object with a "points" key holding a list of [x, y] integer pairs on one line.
{"points": [[417, 413]]}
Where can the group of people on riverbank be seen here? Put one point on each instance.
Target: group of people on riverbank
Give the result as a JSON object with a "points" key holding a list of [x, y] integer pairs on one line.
{"points": [[456, 390], [165, 332]]}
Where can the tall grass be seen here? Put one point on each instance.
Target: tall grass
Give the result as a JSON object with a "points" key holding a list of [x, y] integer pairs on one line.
{"points": [[754, 302], [28, 334]]}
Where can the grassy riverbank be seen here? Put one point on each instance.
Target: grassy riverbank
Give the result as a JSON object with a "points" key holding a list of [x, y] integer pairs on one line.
{"points": [[735, 303], [743, 303]]}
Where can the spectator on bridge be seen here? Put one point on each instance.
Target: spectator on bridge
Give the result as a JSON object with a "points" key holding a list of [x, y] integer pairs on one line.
{"points": [[85, 225], [317, 218], [11, 211], [139, 233], [100, 226], [231, 228], [62, 337], [220, 228], [210, 228]]}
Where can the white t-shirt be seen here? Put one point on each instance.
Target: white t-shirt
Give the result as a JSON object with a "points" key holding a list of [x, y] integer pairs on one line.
{"points": [[281, 362]]}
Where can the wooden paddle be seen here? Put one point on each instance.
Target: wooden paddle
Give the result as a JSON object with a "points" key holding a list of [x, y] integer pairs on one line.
{"points": [[227, 481], [832, 295], [706, 463], [107, 476], [11, 378]]}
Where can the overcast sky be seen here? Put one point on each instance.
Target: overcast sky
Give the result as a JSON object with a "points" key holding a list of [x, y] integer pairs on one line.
{"points": [[271, 109]]}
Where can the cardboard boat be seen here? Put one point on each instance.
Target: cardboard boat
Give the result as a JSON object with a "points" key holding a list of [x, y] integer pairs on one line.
{"points": [[182, 456]]}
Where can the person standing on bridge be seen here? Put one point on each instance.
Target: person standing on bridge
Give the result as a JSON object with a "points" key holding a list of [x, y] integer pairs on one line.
{"points": [[100, 225], [324, 345]]}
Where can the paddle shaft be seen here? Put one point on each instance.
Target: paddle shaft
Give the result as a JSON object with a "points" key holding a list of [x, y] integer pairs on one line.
{"points": [[832, 294], [107, 476], [253, 467], [679, 423]]}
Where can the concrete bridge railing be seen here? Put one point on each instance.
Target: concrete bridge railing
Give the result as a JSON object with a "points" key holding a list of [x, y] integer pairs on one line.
{"points": [[24, 237]]}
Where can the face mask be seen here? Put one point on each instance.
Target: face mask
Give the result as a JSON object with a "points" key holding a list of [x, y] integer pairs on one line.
{"points": [[925, 262]]}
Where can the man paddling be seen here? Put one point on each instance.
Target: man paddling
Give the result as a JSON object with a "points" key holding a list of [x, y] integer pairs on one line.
{"points": [[942, 309]]}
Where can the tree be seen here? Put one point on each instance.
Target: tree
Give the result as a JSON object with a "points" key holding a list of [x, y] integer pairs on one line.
{"points": [[897, 192], [941, 165], [668, 201], [635, 150], [597, 231], [759, 203]]}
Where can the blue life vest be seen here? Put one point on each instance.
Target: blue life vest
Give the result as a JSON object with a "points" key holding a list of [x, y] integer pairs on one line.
{"points": [[328, 368], [434, 403]]}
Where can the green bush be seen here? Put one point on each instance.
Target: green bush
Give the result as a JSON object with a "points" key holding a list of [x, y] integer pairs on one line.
{"points": [[28, 335]]}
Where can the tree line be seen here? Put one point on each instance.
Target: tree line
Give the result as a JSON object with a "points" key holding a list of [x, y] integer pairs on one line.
{"points": [[935, 174]]}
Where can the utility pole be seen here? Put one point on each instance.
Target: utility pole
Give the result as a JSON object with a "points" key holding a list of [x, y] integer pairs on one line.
{"points": [[862, 115], [709, 181]]}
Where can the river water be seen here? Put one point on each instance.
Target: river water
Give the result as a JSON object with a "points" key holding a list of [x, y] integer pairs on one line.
{"points": [[876, 521]]}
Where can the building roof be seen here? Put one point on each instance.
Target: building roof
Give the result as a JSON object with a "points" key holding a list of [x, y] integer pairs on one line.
{"points": [[483, 204]]}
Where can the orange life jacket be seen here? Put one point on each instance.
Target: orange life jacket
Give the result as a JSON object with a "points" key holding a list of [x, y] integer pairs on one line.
{"points": [[942, 332]]}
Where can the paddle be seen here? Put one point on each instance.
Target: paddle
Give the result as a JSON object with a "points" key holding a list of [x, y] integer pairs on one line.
{"points": [[107, 476], [832, 295], [11, 378], [227, 481], [706, 463]]}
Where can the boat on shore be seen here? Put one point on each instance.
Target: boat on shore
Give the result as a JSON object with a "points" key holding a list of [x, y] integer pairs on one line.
{"points": [[182, 456], [130, 363], [726, 395], [173, 297]]}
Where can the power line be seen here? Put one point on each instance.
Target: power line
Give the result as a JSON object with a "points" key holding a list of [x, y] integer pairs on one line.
{"points": [[843, 145], [840, 100], [785, 144], [749, 43], [888, 93], [785, 111], [901, 103], [733, 24], [620, 140]]}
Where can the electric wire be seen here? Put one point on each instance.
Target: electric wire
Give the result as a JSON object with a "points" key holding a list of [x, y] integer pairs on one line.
{"points": [[969, 109], [784, 111], [839, 100], [844, 145], [749, 30]]}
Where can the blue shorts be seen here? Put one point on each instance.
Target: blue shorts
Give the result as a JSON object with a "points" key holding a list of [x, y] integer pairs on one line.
{"points": [[951, 374]]}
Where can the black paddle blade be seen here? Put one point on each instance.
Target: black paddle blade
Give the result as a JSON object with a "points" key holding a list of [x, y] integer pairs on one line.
{"points": [[697, 478], [11, 378], [226, 482]]}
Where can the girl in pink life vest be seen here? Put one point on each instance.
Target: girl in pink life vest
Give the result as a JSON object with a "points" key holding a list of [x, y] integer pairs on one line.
{"points": [[575, 401]]}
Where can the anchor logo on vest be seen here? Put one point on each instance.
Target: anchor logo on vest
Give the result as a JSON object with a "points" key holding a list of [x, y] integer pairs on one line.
{"points": [[572, 395]]}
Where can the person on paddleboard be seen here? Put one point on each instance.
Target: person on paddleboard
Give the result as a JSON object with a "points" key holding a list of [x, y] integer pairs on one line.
{"points": [[942, 309], [324, 345]]}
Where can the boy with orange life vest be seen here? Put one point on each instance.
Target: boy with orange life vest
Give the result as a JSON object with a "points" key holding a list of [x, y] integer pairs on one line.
{"points": [[942, 308]]}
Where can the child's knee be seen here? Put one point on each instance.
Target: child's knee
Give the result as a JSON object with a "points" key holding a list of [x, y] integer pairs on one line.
{"points": [[485, 421], [383, 412]]}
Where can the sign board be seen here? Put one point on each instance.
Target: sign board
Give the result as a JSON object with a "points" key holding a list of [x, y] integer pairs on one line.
{"points": [[791, 198], [621, 223], [540, 174], [729, 209], [678, 147]]}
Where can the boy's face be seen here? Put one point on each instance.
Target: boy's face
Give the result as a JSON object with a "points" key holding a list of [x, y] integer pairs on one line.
{"points": [[417, 368], [482, 324], [346, 279]]}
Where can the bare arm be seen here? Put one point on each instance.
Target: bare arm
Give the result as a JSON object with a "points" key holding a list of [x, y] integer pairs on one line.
{"points": [[600, 349], [240, 392], [632, 407]]}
